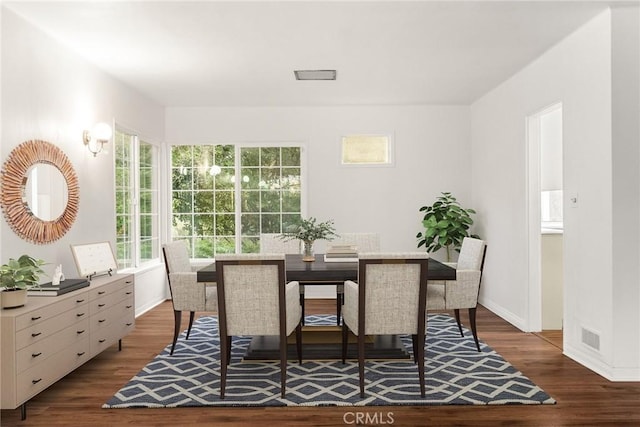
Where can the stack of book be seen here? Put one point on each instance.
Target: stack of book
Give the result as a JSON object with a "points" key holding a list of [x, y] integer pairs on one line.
{"points": [[50, 290], [341, 253]]}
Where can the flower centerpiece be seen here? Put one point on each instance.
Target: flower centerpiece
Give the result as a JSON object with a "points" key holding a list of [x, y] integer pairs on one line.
{"points": [[16, 277], [308, 231]]}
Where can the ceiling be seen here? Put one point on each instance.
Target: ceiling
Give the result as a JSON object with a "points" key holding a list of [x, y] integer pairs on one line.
{"points": [[215, 53]]}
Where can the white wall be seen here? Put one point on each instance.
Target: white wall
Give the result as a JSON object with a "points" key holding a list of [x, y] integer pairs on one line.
{"points": [[49, 93], [625, 45], [576, 72], [431, 156]]}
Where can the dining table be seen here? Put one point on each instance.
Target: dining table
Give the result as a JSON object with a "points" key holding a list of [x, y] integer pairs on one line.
{"points": [[324, 339]]}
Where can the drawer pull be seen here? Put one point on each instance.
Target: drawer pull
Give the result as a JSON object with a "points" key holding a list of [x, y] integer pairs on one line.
{"points": [[36, 354], [36, 318], [36, 381], [80, 332], [101, 341], [35, 334], [81, 353], [101, 320], [129, 293], [128, 282], [129, 324], [80, 314], [101, 292], [79, 301], [129, 306], [101, 305]]}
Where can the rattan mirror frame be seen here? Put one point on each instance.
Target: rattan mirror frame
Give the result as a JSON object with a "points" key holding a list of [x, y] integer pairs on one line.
{"points": [[16, 211]]}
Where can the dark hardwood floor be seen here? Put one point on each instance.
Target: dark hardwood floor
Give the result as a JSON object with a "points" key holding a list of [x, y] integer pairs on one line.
{"points": [[584, 398]]}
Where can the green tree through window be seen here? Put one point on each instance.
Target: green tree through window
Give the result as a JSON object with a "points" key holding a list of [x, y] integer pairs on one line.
{"points": [[224, 196], [136, 195]]}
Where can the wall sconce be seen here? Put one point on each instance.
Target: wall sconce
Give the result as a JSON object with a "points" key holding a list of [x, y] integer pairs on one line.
{"points": [[97, 137]]}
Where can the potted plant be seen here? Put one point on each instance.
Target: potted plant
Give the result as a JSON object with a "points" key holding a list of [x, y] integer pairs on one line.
{"points": [[308, 231], [446, 224], [16, 277]]}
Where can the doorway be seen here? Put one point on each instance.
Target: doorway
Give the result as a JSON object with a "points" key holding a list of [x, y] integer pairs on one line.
{"points": [[545, 219]]}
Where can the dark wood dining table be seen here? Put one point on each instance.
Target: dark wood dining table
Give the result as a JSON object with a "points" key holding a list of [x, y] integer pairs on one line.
{"points": [[319, 272]]}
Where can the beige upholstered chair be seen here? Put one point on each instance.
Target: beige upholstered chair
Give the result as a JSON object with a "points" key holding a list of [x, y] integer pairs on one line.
{"points": [[186, 293], [462, 292], [254, 299], [270, 243], [388, 299], [364, 242]]}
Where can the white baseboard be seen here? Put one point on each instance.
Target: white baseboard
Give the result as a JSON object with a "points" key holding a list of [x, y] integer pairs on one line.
{"points": [[149, 306], [516, 321], [598, 366]]}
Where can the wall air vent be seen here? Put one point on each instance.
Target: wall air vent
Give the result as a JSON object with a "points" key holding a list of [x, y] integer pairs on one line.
{"points": [[591, 339]]}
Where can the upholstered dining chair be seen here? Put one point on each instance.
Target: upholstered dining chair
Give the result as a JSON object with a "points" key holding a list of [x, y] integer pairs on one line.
{"points": [[271, 243], [186, 293], [463, 292], [364, 242], [389, 299], [254, 299]]}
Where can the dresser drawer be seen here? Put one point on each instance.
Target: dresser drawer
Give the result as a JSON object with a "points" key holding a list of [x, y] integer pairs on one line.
{"points": [[57, 306], [120, 312], [49, 326], [39, 352], [116, 287], [34, 380]]}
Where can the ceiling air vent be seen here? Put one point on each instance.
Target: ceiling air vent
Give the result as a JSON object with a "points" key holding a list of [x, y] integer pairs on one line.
{"points": [[315, 74]]}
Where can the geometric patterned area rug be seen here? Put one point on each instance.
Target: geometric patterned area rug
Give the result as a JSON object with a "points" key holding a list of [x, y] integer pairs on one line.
{"points": [[455, 374]]}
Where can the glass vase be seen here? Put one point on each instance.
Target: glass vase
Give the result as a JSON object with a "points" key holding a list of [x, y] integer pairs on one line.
{"points": [[307, 254]]}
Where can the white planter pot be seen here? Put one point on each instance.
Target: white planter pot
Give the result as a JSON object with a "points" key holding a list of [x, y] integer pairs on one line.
{"points": [[13, 299]]}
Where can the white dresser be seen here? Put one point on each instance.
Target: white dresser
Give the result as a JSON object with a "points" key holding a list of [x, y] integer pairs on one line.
{"points": [[51, 336]]}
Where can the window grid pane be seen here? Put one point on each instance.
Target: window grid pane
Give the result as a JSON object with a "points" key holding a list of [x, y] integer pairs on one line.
{"points": [[204, 209]]}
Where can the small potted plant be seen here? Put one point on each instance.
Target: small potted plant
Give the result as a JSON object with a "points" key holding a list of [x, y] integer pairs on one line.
{"points": [[308, 231], [16, 277], [446, 224]]}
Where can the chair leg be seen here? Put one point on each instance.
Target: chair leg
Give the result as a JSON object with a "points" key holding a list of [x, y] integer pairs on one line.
{"points": [[361, 363], [472, 322], [414, 343], [457, 313], [420, 341], [229, 338], [283, 365], [345, 336], [192, 314], [299, 342], [302, 306], [224, 362], [177, 318], [339, 299]]}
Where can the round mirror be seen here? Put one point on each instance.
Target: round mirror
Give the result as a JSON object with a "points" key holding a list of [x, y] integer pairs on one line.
{"points": [[45, 191], [39, 192]]}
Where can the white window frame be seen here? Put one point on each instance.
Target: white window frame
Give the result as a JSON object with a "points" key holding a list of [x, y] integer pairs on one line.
{"points": [[387, 154], [136, 245]]}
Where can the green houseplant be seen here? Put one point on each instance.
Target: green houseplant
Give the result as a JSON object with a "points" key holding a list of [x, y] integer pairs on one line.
{"points": [[308, 231], [16, 277], [446, 224]]}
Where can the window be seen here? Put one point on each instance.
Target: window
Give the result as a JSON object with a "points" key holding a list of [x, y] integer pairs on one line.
{"points": [[137, 227], [224, 196], [366, 150]]}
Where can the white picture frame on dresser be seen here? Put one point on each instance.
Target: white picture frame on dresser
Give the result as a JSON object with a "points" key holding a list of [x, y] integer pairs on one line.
{"points": [[50, 337]]}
